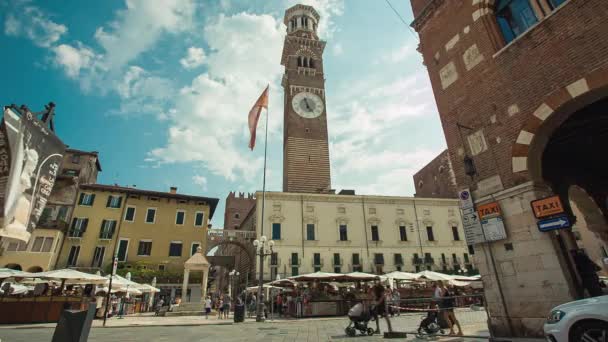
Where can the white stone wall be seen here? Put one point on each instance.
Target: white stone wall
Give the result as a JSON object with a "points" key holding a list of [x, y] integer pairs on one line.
{"points": [[359, 213]]}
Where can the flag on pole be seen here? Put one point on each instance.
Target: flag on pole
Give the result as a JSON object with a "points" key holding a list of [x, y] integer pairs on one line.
{"points": [[254, 115]]}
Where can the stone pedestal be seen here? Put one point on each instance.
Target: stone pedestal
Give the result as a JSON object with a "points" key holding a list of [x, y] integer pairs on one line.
{"points": [[197, 262], [531, 276]]}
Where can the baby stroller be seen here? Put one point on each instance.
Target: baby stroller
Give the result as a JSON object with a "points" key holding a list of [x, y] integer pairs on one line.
{"points": [[432, 324], [359, 318]]}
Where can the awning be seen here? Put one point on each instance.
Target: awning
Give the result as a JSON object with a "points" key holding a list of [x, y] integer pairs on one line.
{"points": [[72, 277], [10, 273]]}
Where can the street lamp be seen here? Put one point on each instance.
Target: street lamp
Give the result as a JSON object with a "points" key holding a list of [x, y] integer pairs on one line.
{"points": [[260, 250], [231, 290]]}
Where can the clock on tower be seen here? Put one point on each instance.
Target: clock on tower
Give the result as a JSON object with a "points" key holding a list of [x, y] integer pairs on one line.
{"points": [[305, 144]]}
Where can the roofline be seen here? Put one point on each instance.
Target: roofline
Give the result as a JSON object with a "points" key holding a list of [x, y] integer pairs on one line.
{"points": [[115, 188], [91, 153], [366, 197]]}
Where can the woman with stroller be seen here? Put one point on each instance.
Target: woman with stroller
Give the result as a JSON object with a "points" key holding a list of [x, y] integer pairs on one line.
{"points": [[447, 304]]}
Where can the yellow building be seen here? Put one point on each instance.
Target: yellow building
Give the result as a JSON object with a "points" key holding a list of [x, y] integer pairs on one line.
{"points": [[41, 251], [345, 233], [157, 231]]}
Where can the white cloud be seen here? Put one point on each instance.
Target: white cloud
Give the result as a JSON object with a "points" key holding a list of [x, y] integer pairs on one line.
{"points": [[138, 27], [73, 59], [208, 127], [406, 51], [337, 49], [144, 93], [201, 181], [35, 25], [195, 57], [328, 10]]}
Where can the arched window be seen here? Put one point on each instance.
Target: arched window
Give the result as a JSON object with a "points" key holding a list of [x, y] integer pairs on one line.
{"points": [[300, 61], [311, 63], [515, 17]]}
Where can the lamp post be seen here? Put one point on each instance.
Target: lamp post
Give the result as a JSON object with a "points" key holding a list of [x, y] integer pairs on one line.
{"points": [[231, 290], [260, 249]]}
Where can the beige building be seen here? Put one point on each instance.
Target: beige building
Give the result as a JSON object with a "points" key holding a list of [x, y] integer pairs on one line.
{"points": [[345, 233], [41, 251]]}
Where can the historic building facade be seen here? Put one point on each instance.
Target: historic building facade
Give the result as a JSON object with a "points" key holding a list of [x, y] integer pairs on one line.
{"points": [[305, 139], [347, 233], [436, 179], [41, 252], [521, 87]]}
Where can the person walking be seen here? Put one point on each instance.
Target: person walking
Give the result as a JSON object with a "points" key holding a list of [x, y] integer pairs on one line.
{"points": [[397, 301], [220, 308], [279, 304], [227, 302], [447, 305], [207, 307]]}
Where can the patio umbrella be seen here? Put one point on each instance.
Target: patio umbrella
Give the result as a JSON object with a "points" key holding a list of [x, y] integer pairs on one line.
{"points": [[317, 276], [72, 277], [10, 273], [397, 275], [354, 276]]}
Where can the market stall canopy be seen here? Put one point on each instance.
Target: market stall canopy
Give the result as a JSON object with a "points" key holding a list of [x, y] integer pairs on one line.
{"points": [[16, 289], [283, 283], [354, 276], [148, 288], [72, 277], [121, 284], [265, 286], [396, 275], [317, 276], [10, 273], [435, 276]]}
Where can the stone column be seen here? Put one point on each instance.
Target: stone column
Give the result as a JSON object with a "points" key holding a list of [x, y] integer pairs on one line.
{"points": [[185, 284], [204, 289]]}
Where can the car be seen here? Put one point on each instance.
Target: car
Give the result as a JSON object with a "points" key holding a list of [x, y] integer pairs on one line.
{"points": [[582, 320]]}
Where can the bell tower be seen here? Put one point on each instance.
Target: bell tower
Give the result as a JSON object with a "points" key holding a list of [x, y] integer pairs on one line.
{"points": [[305, 140]]}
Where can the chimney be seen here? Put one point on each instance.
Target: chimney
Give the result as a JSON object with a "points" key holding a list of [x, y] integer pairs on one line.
{"points": [[173, 190]]}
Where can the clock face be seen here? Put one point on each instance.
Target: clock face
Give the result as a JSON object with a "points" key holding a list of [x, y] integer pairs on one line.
{"points": [[307, 105]]}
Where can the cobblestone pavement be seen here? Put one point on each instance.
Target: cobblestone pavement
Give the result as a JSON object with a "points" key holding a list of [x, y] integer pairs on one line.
{"points": [[293, 330]]}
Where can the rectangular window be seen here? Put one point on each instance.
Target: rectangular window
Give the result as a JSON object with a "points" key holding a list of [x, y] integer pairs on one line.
{"points": [[429, 233], [179, 217], [274, 259], [73, 256], [444, 265], [37, 245], [47, 245], [151, 215], [100, 251], [144, 248], [337, 259], [454, 258], [161, 267], [317, 269], [107, 229], [294, 259], [62, 215], [455, 233], [402, 233], [417, 259], [75, 159], [79, 226], [428, 259], [375, 234], [86, 199], [356, 260], [379, 259], [310, 231], [114, 202], [343, 232], [337, 269], [398, 259], [198, 219], [276, 231], [130, 214], [175, 249], [195, 246], [316, 259], [123, 248], [294, 271], [466, 258]]}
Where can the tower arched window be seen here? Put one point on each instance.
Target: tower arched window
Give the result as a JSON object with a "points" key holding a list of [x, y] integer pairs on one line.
{"points": [[311, 63], [514, 17]]}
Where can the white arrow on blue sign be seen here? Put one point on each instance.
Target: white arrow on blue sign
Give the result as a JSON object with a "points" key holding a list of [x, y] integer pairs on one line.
{"points": [[553, 223]]}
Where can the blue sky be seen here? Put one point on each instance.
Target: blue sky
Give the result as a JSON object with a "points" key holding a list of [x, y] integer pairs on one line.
{"points": [[162, 89]]}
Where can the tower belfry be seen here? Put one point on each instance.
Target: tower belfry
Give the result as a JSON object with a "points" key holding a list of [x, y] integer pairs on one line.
{"points": [[305, 140]]}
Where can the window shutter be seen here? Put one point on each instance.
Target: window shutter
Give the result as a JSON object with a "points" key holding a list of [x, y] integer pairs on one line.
{"points": [[101, 231], [85, 223], [73, 223], [92, 199], [119, 201], [109, 202], [81, 199]]}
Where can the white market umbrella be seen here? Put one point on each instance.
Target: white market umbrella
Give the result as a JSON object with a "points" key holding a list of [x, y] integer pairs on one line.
{"points": [[397, 275], [353, 276], [148, 288], [10, 273], [72, 277], [435, 276], [317, 276]]}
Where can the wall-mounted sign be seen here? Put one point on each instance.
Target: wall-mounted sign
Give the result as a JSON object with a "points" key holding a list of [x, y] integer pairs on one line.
{"points": [[553, 223], [472, 228], [466, 201], [488, 210], [548, 206], [494, 229]]}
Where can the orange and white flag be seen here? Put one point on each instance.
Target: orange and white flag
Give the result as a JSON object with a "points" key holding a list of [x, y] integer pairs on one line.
{"points": [[254, 115]]}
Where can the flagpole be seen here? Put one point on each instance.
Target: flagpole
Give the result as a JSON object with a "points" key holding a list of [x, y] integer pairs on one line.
{"points": [[264, 177]]}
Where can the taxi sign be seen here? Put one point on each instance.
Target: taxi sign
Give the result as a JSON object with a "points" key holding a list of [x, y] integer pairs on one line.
{"points": [[547, 206], [488, 210]]}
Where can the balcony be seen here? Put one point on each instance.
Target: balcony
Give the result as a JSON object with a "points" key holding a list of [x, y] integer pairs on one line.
{"points": [[295, 262], [417, 261], [429, 261], [75, 234], [104, 236], [53, 224], [338, 262]]}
